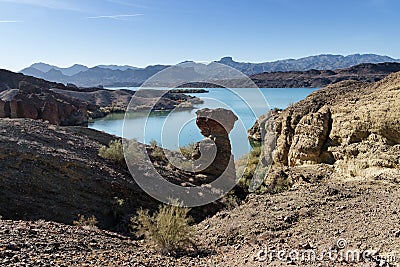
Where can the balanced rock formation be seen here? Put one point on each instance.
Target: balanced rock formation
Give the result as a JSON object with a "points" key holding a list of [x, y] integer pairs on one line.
{"points": [[349, 128], [214, 153]]}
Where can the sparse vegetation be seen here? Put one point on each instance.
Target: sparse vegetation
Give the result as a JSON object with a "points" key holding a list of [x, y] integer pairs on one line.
{"points": [[117, 205], [249, 168], [279, 185], [83, 221], [187, 151], [153, 143], [113, 152], [157, 151], [168, 228], [134, 151]]}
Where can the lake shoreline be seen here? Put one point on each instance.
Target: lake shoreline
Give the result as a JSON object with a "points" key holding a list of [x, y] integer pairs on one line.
{"points": [[180, 124]]}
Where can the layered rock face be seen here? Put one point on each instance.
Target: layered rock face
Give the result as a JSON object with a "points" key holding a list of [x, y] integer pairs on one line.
{"points": [[33, 102], [214, 153], [351, 128]]}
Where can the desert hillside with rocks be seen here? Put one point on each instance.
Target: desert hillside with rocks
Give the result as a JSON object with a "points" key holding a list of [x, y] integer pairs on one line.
{"points": [[335, 176]]}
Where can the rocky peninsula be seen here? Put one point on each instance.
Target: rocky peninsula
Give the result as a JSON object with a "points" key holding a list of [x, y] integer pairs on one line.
{"points": [[28, 97]]}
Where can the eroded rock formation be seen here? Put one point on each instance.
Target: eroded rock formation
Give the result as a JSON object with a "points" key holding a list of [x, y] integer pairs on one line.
{"points": [[215, 152], [352, 127], [33, 102]]}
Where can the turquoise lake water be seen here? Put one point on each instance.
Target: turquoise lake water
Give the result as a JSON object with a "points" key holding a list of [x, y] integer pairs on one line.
{"points": [[178, 128]]}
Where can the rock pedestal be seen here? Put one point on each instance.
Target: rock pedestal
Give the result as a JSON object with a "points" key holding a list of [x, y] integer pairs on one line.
{"points": [[213, 155]]}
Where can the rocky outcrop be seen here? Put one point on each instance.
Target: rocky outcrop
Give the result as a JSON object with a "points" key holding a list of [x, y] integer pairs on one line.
{"points": [[309, 138], [351, 126], [33, 102], [214, 153]]}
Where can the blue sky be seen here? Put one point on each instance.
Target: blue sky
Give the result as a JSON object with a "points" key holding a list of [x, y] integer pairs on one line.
{"points": [[144, 32]]}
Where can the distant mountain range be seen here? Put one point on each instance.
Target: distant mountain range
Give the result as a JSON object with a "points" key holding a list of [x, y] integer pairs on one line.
{"points": [[320, 62], [114, 75]]}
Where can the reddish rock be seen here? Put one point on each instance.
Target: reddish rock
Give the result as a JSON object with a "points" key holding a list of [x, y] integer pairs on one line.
{"points": [[39, 103]]}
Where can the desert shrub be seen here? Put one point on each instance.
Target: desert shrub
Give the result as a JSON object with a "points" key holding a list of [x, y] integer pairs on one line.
{"points": [[113, 152], [83, 221], [117, 207], [168, 228], [231, 200], [249, 168], [187, 151], [153, 143], [157, 151], [279, 185]]}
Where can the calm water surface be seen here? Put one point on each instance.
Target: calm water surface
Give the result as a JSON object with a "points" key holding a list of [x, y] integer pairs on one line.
{"points": [[178, 128]]}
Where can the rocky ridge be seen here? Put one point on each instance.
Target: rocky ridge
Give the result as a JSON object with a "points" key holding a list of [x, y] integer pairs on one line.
{"points": [[319, 78], [115, 76]]}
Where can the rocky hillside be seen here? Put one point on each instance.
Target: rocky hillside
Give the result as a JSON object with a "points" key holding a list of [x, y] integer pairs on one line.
{"points": [[320, 78], [55, 173], [351, 129]]}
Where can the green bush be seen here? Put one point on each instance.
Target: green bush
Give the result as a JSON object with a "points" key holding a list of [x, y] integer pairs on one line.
{"points": [[113, 152], [168, 229]]}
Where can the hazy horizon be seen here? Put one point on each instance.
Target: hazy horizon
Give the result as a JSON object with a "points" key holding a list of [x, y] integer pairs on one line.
{"points": [[141, 33]]}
